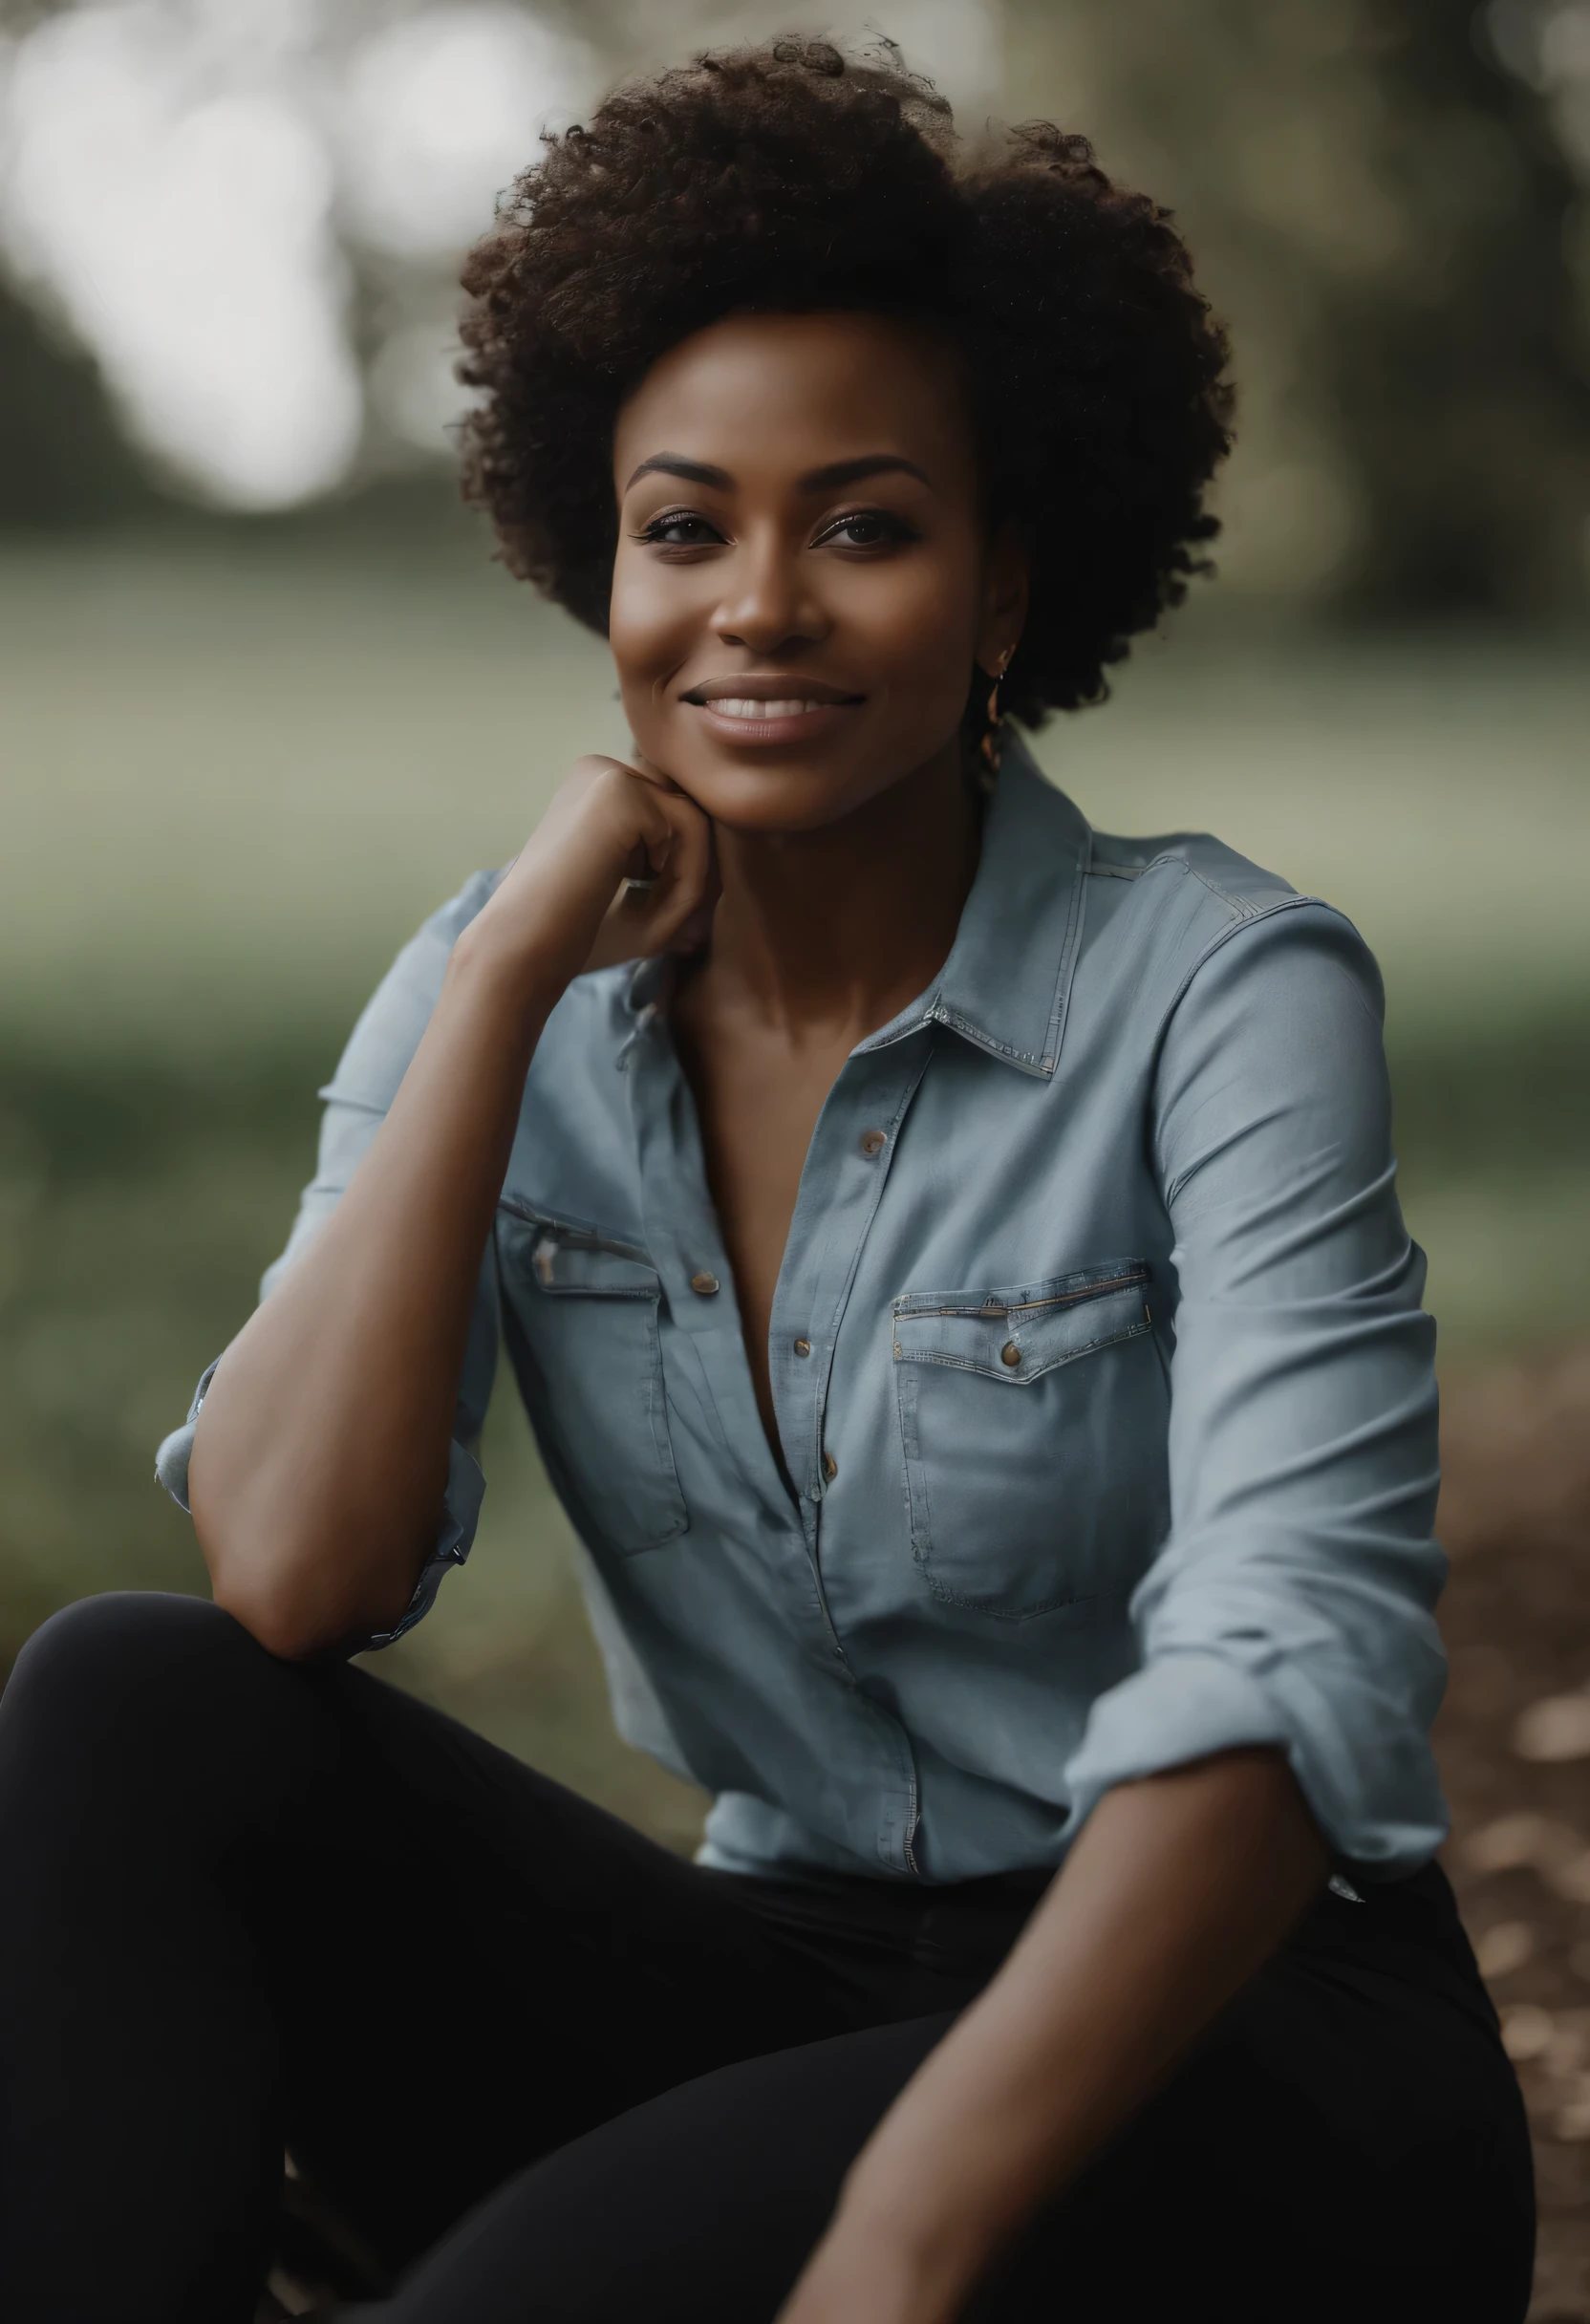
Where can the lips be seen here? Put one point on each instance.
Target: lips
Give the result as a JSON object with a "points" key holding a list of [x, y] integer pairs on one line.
{"points": [[747, 706], [768, 707]]}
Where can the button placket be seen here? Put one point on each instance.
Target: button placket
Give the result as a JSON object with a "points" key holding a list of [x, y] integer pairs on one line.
{"points": [[852, 1148], [682, 1233]]}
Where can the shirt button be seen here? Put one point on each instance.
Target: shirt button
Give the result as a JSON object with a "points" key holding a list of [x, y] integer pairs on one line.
{"points": [[872, 1142], [803, 1347], [1010, 1354], [830, 1467], [704, 1284]]}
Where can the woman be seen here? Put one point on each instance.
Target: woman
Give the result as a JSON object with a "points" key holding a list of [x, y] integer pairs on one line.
{"points": [[951, 1260]]}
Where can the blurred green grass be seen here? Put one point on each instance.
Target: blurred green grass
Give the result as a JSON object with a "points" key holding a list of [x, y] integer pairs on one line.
{"points": [[231, 786]]}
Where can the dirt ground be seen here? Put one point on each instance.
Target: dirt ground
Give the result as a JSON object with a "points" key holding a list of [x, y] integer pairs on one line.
{"points": [[1515, 1746]]}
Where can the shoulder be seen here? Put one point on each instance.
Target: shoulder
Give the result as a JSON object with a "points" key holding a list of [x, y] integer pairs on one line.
{"points": [[1190, 901], [1237, 889]]}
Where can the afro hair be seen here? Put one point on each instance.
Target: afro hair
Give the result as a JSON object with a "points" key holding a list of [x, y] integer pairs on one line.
{"points": [[794, 177]]}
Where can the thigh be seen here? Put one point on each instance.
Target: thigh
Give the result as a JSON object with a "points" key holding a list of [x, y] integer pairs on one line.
{"points": [[1335, 2147], [474, 1967], [296, 1900], [702, 2204], [1338, 2146]]}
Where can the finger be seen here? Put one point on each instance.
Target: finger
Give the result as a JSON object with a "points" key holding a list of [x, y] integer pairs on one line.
{"points": [[676, 914], [691, 865], [648, 772], [672, 833]]}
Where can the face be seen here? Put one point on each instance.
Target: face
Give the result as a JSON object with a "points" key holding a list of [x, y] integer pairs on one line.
{"points": [[803, 583]]}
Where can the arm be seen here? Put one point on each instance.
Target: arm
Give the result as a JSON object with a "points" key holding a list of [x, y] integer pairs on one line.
{"points": [[1177, 1890], [320, 1457], [1289, 1654]]}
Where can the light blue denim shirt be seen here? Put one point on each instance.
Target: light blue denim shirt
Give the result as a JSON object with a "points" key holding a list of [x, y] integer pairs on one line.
{"points": [[1097, 1355]]}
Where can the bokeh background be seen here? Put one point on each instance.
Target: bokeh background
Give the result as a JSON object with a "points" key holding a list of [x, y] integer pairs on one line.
{"points": [[265, 699]]}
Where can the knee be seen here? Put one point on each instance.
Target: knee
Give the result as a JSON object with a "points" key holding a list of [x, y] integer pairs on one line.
{"points": [[87, 1674]]}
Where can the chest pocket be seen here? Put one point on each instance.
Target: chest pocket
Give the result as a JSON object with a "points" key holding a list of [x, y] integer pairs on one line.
{"points": [[580, 1318], [1033, 1433]]}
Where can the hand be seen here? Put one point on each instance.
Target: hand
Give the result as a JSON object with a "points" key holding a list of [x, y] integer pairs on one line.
{"points": [[564, 904]]}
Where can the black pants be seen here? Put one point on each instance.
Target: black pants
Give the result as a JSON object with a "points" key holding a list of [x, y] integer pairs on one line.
{"points": [[244, 1904]]}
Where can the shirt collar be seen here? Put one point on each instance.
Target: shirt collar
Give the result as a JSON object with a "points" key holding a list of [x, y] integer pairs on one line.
{"points": [[1007, 981]]}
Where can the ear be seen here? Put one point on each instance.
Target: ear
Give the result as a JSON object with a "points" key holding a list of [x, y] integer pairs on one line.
{"points": [[1003, 612]]}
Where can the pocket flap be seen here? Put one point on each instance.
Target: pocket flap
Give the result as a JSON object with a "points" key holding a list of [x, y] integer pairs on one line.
{"points": [[1017, 1332], [563, 1255]]}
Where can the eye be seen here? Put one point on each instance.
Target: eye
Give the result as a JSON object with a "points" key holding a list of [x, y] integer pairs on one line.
{"points": [[681, 529], [866, 528]]}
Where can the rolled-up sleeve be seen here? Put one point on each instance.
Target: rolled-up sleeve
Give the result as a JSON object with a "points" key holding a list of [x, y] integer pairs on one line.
{"points": [[1293, 1601], [356, 1099]]}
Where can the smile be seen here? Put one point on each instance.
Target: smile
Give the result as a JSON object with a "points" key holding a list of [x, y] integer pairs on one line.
{"points": [[760, 710], [743, 722], [739, 706]]}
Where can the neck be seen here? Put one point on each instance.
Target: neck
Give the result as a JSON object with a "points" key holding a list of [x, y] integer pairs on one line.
{"points": [[836, 930]]}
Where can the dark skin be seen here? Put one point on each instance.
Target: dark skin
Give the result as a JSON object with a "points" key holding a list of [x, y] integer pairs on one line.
{"points": [[762, 1051], [846, 855], [810, 862]]}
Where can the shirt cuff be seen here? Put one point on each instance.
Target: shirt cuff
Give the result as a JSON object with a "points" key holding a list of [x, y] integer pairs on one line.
{"points": [[1190, 1704], [1179, 1708], [461, 1513], [176, 1450]]}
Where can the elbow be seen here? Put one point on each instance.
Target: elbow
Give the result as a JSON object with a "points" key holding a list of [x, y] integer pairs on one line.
{"points": [[300, 1608], [276, 1618], [298, 1570]]}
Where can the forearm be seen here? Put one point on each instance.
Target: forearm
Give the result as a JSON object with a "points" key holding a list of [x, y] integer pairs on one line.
{"points": [[320, 1458], [1177, 1891]]}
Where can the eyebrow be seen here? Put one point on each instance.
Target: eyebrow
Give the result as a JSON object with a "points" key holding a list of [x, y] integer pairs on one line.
{"points": [[692, 471], [832, 479], [843, 472]]}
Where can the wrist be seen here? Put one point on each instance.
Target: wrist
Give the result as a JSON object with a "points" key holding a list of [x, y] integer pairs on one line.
{"points": [[509, 967], [508, 979], [858, 2276], [943, 2246]]}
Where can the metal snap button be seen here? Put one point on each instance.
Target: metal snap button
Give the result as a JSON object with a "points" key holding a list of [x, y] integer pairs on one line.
{"points": [[803, 1347], [704, 1284], [830, 1467], [1010, 1354], [874, 1142]]}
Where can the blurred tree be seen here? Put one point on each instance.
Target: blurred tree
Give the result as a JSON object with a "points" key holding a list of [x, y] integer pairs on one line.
{"points": [[1379, 195], [1456, 371], [63, 459], [1379, 208]]}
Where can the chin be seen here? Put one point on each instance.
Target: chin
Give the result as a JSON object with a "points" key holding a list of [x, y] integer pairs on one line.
{"points": [[786, 798]]}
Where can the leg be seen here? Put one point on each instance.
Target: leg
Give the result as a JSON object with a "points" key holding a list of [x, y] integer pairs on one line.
{"points": [[140, 2141], [249, 1902], [1351, 2141], [1346, 2143], [702, 2204]]}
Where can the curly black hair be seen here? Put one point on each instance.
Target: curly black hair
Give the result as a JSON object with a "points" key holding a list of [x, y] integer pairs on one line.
{"points": [[792, 178]]}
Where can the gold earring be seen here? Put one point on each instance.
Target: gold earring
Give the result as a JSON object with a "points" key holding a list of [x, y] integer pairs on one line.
{"points": [[990, 744]]}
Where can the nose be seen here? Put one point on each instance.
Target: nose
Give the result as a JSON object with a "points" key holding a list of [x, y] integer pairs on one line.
{"points": [[768, 605]]}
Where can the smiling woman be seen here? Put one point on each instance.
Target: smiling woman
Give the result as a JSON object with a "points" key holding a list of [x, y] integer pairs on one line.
{"points": [[880, 562], [950, 1259]]}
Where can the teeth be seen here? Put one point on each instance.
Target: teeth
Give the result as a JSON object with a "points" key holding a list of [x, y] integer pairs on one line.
{"points": [[732, 706]]}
